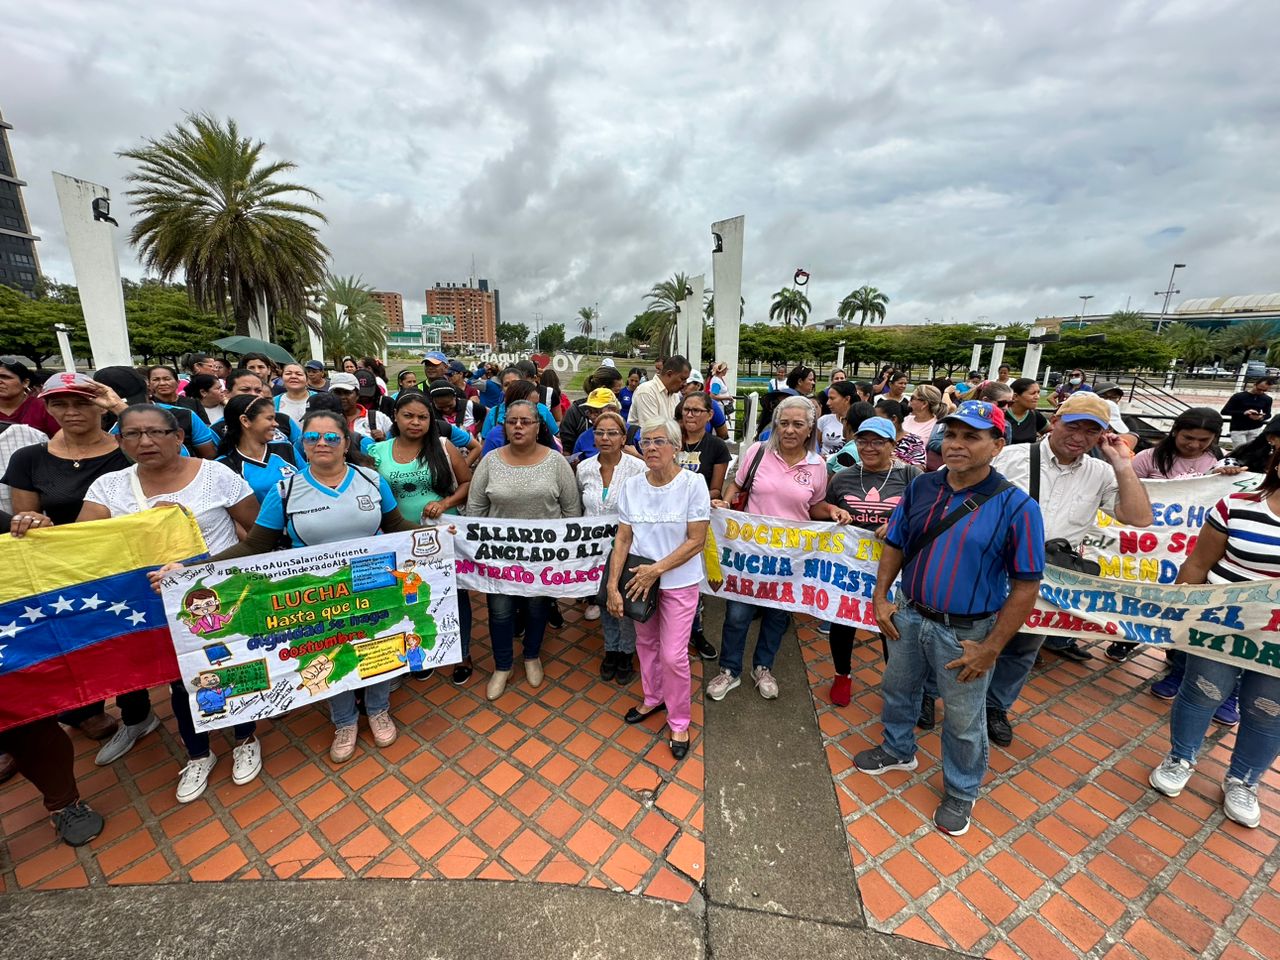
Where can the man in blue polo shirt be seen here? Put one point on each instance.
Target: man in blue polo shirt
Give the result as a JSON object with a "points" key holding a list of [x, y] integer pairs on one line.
{"points": [[970, 548]]}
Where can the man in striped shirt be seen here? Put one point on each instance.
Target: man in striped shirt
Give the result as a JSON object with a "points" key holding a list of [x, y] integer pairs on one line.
{"points": [[964, 593]]}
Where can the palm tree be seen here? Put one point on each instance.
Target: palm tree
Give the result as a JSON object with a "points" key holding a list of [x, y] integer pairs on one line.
{"points": [[586, 320], [790, 304], [359, 328], [1128, 320], [212, 211], [867, 301], [664, 301], [1191, 344], [1248, 337]]}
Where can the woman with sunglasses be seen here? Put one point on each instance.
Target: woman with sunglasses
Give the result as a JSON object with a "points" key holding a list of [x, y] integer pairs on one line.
{"points": [[522, 480], [248, 446], [221, 501], [430, 478]]}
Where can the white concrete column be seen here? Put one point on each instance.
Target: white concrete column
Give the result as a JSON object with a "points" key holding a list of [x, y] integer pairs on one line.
{"points": [[997, 358], [260, 322], [97, 270], [64, 347], [975, 358], [314, 338], [1031, 360], [840, 356], [752, 408], [726, 278], [697, 320]]}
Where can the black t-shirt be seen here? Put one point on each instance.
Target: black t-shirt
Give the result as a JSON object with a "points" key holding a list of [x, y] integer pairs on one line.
{"points": [[703, 456], [870, 496], [1246, 400], [58, 483], [1028, 429]]}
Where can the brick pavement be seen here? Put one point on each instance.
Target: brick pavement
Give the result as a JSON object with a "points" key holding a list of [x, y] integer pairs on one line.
{"points": [[1071, 853], [545, 785]]}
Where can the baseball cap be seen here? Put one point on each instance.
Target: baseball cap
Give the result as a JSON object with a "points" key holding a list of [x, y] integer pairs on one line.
{"points": [[695, 376], [442, 387], [457, 366], [980, 415], [435, 356], [344, 381], [1084, 405], [314, 365], [880, 426], [600, 398], [368, 382], [61, 383], [1104, 388]]}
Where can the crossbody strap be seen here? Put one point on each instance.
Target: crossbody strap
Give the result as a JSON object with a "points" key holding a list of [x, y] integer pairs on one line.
{"points": [[1033, 481], [970, 505], [751, 471]]}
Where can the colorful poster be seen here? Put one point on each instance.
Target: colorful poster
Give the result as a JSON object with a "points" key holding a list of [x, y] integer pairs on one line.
{"points": [[533, 558], [259, 636], [823, 569], [1153, 554]]}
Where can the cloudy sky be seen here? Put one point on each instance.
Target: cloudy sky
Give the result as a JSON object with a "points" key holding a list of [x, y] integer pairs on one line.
{"points": [[991, 160]]}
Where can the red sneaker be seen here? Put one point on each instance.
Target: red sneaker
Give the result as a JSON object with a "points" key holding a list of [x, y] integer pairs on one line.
{"points": [[840, 691]]}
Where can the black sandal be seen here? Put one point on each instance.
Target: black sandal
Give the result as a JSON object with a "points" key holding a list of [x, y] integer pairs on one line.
{"points": [[635, 716]]}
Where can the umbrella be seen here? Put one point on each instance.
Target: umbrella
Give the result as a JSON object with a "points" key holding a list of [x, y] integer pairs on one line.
{"points": [[253, 345]]}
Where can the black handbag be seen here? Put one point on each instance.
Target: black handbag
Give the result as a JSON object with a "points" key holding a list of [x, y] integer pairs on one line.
{"points": [[1058, 552], [638, 610]]}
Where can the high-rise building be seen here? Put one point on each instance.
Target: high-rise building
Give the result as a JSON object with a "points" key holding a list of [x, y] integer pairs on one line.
{"points": [[19, 265], [393, 307], [474, 308]]}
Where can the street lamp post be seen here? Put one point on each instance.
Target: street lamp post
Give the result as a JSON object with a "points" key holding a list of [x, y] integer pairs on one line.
{"points": [[1168, 295], [537, 332], [1084, 304]]}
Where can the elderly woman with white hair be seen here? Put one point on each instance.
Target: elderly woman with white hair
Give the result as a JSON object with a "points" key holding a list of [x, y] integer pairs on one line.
{"points": [[783, 477], [663, 516]]}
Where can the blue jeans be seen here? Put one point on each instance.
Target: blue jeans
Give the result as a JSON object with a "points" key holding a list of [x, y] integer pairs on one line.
{"points": [[502, 612], [197, 742], [342, 706], [1206, 684], [923, 647], [733, 641], [1012, 669], [619, 633]]}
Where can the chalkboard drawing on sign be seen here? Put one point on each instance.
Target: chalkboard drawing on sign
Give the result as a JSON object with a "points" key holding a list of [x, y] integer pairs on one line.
{"points": [[215, 687]]}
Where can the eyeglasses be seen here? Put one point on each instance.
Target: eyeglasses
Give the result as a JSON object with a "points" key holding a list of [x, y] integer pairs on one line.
{"points": [[311, 438], [1003, 404], [696, 412], [133, 436], [520, 422], [608, 434], [871, 442], [654, 442]]}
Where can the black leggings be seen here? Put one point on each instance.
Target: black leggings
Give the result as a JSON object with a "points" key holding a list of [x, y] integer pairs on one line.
{"points": [[842, 648]]}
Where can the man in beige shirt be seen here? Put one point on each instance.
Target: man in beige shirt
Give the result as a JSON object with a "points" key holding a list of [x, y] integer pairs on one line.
{"points": [[657, 399], [1073, 488]]}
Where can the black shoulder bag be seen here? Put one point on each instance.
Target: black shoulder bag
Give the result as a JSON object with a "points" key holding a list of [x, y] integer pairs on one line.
{"points": [[1058, 551]]}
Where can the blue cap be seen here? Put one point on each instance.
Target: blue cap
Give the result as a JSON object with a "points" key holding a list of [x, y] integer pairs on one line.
{"points": [[457, 366], [978, 414], [881, 426], [435, 356]]}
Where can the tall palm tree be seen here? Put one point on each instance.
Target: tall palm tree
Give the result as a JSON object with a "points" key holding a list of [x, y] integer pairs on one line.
{"points": [[1128, 320], [664, 301], [790, 304], [1248, 337], [213, 212], [867, 301], [1191, 344], [359, 328], [586, 320]]}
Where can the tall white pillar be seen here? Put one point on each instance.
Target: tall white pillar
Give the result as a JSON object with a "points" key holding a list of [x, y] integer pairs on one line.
{"points": [[997, 358], [697, 320], [64, 347], [680, 343], [840, 355], [975, 358], [260, 322], [1031, 360], [314, 337], [726, 278], [97, 270]]}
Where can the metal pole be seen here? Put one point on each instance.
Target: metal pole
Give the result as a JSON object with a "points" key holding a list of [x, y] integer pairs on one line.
{"points": [[1168, 295]]}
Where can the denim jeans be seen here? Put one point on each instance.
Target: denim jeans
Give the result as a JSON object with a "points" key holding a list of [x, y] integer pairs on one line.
{"points": [[342, 706], [196, 742], [1204, 686], [733, 642], [464, 622], [1012, 669], [619, 633], [502, 612], [924, 646]]}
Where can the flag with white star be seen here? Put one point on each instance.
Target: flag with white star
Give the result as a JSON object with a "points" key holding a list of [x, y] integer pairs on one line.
{"points": [[79, 621]]}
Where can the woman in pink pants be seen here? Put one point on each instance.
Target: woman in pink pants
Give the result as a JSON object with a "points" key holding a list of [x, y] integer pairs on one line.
{"points": [[663, 516]]}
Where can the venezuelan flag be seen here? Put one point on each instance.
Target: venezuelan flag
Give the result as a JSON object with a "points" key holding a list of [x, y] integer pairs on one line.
{"points": [[79, 621]]}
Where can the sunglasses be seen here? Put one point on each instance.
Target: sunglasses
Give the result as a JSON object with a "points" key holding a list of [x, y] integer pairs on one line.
{"points": [[311, 438]]}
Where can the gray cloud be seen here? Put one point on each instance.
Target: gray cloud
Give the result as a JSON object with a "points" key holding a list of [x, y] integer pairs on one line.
{"points": [[969, 160]]}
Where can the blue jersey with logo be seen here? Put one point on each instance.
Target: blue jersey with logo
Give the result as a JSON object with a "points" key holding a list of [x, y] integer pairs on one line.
{"points": [[312, 513], [263, 475]]}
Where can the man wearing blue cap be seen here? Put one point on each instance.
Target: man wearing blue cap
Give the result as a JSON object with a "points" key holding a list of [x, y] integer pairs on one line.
{"points": [[970, 548]]}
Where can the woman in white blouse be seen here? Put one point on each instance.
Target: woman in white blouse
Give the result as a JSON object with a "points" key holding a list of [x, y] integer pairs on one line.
{"points": [[600, 478], [663, 516]]}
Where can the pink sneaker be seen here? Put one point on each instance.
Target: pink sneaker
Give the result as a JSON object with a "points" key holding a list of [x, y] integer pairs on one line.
{"points": [[344, 743], [383, 727]]}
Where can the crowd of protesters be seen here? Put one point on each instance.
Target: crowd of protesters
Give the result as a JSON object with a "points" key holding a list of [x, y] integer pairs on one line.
{"points": [[970, 476]]}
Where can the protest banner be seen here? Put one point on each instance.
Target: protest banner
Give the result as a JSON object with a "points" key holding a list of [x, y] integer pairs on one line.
{"points": [[1153, 554], [258, 636], [533, 558]]}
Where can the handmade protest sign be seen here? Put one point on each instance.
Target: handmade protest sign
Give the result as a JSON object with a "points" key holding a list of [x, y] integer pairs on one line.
{"points": [[533, 558], [259, 636]]}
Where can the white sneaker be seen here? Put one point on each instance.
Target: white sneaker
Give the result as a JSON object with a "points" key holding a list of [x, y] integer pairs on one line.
{"points": [[765, 683], [497, 684], [533, 672], [195, 777], [124, 739], [383, 728], [246, 761], [1240, 802], [1171, 776], [592, 612], [719, 687]]}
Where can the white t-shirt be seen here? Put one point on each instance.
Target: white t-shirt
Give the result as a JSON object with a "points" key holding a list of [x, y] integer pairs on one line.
{"points": [[831, 430], [659, 518], [718, 386], [297, 409], [360, 425], [215, 489]]}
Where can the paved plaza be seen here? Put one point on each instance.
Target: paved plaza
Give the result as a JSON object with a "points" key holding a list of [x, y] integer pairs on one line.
{"points": [[544, 812]]}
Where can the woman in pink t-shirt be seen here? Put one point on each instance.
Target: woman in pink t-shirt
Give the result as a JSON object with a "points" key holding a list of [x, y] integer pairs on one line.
{"points": [[1189, 449], [784, 478]]}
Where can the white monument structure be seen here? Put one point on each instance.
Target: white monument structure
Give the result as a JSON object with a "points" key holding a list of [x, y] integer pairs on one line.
{"points": [[726, 277]]}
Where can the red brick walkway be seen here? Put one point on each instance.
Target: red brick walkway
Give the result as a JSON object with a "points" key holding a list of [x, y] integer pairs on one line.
{"points": [[1071, 854], [545, 785]]}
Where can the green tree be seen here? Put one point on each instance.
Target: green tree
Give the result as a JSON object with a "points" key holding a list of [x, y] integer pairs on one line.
{"points": [[586, 320], [868, 302], [551, 338], [1192, 345], [210, 209], [27, 325], [579, 344], [663, 301], [513, 335], [790, 306], [1127, 320], [164, 323], [1247, 338], [358, 330]]}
